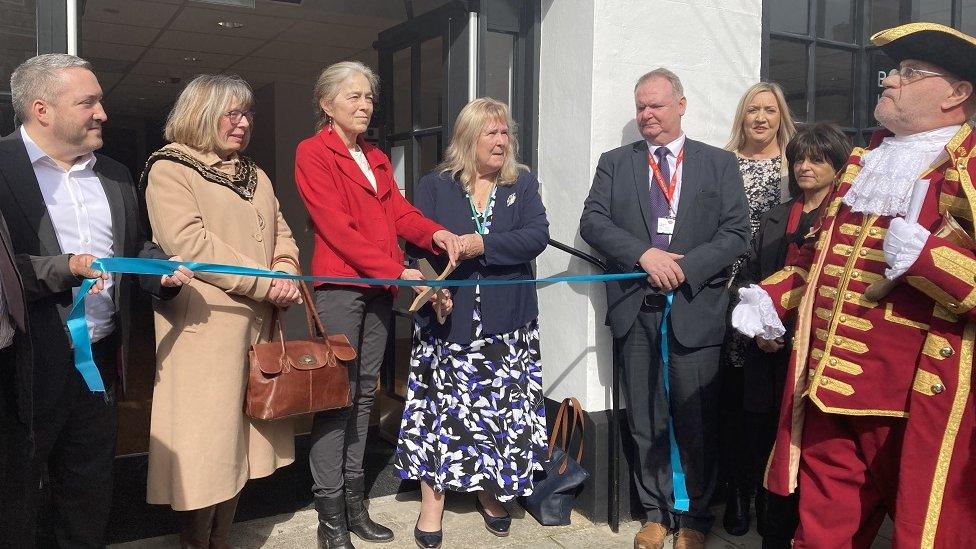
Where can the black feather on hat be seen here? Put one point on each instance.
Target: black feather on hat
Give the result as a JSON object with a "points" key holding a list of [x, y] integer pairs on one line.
{"points": [[938, 44]]}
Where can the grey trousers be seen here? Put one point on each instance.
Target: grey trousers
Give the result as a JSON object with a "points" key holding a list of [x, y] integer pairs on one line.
{"points": [[695, 404], [364, 315]]}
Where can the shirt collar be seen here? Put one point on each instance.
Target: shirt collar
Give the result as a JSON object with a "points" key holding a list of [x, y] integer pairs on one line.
{"points": [[673, 147], [36, 154]]}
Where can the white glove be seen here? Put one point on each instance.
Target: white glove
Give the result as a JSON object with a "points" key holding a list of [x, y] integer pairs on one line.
{"points": [[902, 246], [755, 314]]}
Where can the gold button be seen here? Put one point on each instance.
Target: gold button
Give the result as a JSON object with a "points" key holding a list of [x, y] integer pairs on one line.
{"points": [[855, 274], [788, 269], [848, 295], [952, 305], [847, 252], [838, 341], [946, 351], [874, 231], [937, 388], [857, 231], [833, 362], [843, 318], [824, 381], [862, 252]]}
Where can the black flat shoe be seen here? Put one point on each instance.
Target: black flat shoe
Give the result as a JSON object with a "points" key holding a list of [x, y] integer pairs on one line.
{"points": [[496, 525], [736, 519], [427, 540]]}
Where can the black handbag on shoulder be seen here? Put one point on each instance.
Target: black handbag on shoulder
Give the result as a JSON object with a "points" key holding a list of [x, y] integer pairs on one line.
{"points": [[555, 489]]}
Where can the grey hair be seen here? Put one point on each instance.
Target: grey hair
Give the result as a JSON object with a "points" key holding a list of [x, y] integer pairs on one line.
{"points": [[329, 81], [40, 78], [661, 72]]}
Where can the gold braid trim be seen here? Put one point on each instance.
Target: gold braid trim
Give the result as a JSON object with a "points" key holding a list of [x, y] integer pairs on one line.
{"points": [[949, 437]]}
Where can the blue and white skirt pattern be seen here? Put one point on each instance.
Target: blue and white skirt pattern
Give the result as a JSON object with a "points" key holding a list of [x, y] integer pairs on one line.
{"points": [[475, 417]]}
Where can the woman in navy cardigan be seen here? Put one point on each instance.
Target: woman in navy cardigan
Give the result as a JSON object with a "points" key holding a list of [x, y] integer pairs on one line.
{"points": [[474, 419]]}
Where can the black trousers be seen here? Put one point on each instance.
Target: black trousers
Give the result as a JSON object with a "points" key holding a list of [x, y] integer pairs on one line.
{"points": [[16, 467], [75, 443], [694, 383], [782, 512], [339, 436]]}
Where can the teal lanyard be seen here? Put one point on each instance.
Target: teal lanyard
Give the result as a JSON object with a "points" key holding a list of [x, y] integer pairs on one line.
{"points": [[481, 219]]}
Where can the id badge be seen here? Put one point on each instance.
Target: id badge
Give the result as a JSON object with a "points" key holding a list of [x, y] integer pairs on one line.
{"points": [[665, 225]]}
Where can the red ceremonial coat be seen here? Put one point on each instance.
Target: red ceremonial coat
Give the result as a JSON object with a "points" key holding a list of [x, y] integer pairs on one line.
{"points": [[909, 354]]}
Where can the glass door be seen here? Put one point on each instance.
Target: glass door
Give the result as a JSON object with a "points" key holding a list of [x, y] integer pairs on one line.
{"points": [[425, 78]]}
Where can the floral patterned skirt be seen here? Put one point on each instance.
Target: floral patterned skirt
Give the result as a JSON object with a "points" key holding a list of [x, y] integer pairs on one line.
{"points": [[475, 417]]}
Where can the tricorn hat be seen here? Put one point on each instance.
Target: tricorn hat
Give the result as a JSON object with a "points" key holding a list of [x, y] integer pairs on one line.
{"points": [[931, 42]]}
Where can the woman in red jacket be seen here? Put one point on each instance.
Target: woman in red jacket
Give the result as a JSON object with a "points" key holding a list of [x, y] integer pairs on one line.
{"points": [[358, 213]]}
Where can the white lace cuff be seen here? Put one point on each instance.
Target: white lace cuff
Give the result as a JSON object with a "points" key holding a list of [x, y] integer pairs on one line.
{"points": [[755, 314], [902, 246]]}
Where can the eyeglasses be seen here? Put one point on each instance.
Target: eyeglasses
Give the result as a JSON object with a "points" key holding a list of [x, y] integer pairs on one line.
{"points": [[911, 74], [235, 116]]}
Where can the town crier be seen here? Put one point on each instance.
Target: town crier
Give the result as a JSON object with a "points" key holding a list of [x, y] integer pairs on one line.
{"points": [[878, 412]]}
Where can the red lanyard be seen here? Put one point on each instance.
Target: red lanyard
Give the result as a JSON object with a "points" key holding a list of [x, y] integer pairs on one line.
{"points": [[668, 190]]}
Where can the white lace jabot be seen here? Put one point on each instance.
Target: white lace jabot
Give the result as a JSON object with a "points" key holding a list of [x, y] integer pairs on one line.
{"points": [[884, 184]]}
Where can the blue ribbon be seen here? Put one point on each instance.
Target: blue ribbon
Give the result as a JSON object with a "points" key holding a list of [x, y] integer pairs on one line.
{"points": [[681, 502], [78, 325]]}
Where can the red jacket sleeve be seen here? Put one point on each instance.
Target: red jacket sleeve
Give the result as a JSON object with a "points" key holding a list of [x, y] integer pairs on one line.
{"points": [[946, 272], [411, 225], [332, 219]]}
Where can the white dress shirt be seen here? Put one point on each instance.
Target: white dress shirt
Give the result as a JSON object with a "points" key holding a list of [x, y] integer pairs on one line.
{"points": [[6, 326], [674, 148], [79, 210]]}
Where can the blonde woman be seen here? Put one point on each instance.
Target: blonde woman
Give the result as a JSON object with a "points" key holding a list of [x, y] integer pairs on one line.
{"points": [[474, 419], [208, 203], [760, 131]]}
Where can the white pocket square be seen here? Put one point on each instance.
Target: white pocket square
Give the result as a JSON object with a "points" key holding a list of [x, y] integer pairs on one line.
{"points": [[511, 200]]}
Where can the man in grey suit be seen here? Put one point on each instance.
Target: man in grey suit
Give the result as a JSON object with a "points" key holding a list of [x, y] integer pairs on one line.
{"points": [[676, 209], [64, 206]]}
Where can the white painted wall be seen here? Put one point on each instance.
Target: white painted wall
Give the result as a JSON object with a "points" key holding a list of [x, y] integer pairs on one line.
{"points": [[592, 52]]}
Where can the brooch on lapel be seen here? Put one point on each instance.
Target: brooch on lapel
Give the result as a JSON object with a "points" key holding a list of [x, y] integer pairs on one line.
{"points": [[511, 200]]}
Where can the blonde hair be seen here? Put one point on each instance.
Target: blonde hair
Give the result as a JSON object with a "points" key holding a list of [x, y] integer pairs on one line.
{"points": [[331, 79], [785, 132], [460, 158], [194, 120]]}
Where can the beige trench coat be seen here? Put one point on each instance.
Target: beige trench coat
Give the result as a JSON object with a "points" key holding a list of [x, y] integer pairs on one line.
{"points": [[202, 447]]}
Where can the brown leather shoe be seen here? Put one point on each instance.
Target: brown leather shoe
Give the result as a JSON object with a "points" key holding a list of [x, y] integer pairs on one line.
{"points": [[689, 538], [651, 536]]}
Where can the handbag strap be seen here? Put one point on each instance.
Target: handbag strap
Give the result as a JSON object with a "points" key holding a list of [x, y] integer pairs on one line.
{"points": [[562, 427], [312, 319]]}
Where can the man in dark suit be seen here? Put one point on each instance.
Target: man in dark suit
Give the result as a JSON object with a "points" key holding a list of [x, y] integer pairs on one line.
{"points": [[65, 206], [676, 209]]}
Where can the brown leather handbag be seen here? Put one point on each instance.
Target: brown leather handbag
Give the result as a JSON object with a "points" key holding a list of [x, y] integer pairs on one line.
{"points": [[291, 378]]}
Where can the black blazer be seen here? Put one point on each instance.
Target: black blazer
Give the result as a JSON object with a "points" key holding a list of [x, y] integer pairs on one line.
{"points": [[711, 231], [18, 374], [43, 266], [519, 232], [765, 373]]}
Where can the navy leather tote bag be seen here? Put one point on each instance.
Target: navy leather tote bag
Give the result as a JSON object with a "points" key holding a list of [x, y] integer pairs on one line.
{"points": [[555, 488]]}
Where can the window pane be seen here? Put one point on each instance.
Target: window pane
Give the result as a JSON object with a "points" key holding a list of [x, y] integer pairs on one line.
{"points": [[18, 37], [836, 20], [6, 115], [932, 11], [788, 67], [834, 73], [402, 119], [789, 15], [499, 61], [431, 82], [968, 17], [883, 14], [878, 66]]}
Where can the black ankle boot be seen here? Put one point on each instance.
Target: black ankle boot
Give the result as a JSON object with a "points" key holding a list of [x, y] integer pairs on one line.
{"points": [[736, 519], [762, 503], [357, 515], [333, 533]]}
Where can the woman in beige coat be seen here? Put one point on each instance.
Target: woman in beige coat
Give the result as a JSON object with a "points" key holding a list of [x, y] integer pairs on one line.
{"points": [[209, 204]]}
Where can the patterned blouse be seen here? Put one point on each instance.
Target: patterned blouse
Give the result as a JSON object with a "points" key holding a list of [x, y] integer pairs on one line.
{"points": [[761, 179]]}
